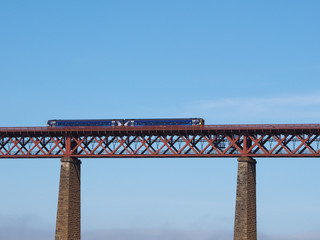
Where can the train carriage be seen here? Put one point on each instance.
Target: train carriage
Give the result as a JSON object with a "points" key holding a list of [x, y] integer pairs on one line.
{"points": [[126, 122]]}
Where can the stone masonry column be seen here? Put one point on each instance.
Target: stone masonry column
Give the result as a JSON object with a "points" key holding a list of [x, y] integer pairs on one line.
{"points": [[245, 226], [68, 214]]}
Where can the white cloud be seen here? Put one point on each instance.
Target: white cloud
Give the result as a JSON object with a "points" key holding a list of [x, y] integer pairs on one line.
{"points": [[280, 109], [13, 232], [298, 236], [184, 235], [167, 234]]}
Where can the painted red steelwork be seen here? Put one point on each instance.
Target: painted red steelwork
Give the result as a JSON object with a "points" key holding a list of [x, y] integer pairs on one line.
{"points": [[272, 140]]}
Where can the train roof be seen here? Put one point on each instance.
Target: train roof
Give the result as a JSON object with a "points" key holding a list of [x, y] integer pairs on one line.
{"points": [[161, 119]]}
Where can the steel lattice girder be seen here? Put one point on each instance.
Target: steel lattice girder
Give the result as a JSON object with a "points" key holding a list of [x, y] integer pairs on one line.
{"points": [[203, 141]]}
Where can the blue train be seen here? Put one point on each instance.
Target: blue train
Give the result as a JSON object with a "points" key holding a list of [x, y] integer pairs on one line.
{"points": [[126, 122]]}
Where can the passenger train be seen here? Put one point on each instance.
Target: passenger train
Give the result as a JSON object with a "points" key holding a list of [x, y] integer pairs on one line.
{"points": [[126, 122]]}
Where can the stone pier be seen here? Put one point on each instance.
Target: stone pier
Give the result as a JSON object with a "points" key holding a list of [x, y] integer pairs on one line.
{"points": [[68, 226], [245, 227]]}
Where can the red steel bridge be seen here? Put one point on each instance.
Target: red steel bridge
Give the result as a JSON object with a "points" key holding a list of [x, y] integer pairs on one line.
{"points": [[245, 142], [162, 141]]}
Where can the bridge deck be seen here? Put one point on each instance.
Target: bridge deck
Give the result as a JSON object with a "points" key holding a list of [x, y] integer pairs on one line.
{"points": [[206, 128]]}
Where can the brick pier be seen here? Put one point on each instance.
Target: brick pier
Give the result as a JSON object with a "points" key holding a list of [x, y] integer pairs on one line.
{"points": [[245, 227], [68, 226]]}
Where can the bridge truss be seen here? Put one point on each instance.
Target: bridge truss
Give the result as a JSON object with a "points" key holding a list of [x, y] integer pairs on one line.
{"points": [[162, 141]]}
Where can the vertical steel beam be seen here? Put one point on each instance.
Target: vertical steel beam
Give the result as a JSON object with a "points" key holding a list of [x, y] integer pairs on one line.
{"points": [[68, 226], [245, 227]]}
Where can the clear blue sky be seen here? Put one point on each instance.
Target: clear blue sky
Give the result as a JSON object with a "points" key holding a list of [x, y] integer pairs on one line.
{"points": [[225, 61]]}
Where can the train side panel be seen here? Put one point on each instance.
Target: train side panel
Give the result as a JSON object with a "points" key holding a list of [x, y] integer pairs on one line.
{"points": [[126, 122], [85, 123], [163, 122]]}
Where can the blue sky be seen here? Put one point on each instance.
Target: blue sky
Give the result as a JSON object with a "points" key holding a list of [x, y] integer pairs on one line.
{"points": [[226, 61]]}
